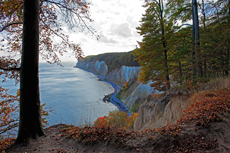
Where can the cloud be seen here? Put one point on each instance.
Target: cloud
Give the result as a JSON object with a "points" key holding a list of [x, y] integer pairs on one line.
{"points": [[122, 30], [115, 21], [107, 40]]}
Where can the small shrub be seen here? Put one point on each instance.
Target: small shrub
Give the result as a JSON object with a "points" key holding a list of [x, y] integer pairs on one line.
{"points": [[117, 119]]}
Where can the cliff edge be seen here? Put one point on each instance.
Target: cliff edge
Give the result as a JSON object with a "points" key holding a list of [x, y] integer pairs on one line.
{"points": [[122, 75]]}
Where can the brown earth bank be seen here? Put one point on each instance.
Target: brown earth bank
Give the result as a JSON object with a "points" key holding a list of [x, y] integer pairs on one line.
{"points": [[186, 138], [203, 127]]}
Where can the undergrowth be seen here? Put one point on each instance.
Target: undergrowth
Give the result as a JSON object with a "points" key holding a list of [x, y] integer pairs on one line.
{"points": [[207, 108]]}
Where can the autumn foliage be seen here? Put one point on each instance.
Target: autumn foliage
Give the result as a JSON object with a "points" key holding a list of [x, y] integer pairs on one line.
{"points": [[117, 119], [96, 134], [11, 20], [9, 119], [208, 107], [8, 111], [126, 85], [114, 128], [169, 48]]}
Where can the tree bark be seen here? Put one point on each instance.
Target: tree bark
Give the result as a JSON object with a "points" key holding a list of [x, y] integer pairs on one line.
{"points": [[164, 44], [196, 30], [193, 49], [30, 125]]}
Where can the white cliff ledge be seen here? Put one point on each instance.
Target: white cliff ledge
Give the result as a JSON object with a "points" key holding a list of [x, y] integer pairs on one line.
{"points": [[136, 91]]}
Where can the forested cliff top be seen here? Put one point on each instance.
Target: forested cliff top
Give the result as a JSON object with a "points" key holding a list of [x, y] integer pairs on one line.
{"points": [[113, 60]]}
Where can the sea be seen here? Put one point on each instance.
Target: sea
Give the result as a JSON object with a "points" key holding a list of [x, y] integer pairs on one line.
{"points": [[74, 95]]}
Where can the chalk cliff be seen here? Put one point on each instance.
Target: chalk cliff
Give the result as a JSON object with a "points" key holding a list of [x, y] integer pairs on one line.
{"points": [[155, 109], [124, 74], [156, 112], [136, 91], [98, 67]]}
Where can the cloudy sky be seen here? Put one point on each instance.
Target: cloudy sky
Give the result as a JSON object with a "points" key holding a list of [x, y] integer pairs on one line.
{"points": [[115, 21]]}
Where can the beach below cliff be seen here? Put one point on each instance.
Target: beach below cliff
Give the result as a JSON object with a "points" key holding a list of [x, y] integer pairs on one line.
{"points": [[112, 96]]}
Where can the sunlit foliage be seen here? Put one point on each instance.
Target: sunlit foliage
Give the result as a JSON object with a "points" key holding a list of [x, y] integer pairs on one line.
{"points": [[117, 119]]}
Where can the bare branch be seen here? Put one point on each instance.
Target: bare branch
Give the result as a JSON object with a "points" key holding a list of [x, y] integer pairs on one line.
{"points": [[10, 69], [10, 127], [55, 32], [71, 10], [10, 24]]}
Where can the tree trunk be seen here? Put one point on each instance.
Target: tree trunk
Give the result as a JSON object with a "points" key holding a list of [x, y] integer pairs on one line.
{"points": [[30, 125], [193, 49], [164, 44], [204, 24], [196, 30], [227, 64], [227, 60], [180, 70]]}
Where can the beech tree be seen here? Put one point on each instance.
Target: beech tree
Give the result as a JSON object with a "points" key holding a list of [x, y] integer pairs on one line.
{"points": [[30, 125], [195, 52], [40, 20], [153, 52]]}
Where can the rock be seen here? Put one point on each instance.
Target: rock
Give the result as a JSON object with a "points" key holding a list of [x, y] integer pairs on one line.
{"points": [[159, 112], [123, 75], [149, 112], [136, 91]]}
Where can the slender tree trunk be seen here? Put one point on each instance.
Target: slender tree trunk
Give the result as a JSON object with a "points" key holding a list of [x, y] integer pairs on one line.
{"points": [[164, 44], [196, 30], [193, 49], [227, 64], [204, 24], [205, 68], [203, 14], [30, 125], [222, 61], [180, 70], [227, 60]]}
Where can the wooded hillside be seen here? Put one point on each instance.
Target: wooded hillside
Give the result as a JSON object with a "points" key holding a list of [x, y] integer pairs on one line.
{"points": [[184, 42], [114, 60]]}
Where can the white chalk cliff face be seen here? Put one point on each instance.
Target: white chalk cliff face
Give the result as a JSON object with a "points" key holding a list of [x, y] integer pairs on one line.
{"points": [[98, 67], [136, 91], [122, 75], [136, 96]]}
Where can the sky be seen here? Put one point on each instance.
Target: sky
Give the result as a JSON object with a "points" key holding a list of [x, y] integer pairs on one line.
{"points": [[115, 21]]}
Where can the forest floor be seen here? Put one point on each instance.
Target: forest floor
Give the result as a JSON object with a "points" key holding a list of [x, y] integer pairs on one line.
{"points": [[191, 138], [205, 128]]}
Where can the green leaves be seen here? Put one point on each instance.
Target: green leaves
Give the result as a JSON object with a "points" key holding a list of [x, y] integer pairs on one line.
{"points": [[168, 47]]}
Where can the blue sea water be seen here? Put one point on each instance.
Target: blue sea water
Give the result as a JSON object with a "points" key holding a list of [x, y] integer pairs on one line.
{"points": [[74, 95]]}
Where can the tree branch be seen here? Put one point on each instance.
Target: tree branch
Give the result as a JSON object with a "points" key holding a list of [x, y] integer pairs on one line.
{"points": [[10, 69], [69, 9], [54, 32], [10, 127], [10, 24]]}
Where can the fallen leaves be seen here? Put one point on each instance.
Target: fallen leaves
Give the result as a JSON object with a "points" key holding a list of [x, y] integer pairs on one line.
{"points": [[207, 107], [96, 134]]}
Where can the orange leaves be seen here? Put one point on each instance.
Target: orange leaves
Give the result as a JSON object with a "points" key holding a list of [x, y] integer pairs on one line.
{"points": [[117, 119], [5, 143], [208, 106], [9, 114], [95, 134], [8, 121], [205, 110], [76, 13], [126, 85], [100, 121], [8, 109]]}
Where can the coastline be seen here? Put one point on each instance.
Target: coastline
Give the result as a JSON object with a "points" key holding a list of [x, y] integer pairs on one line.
{"points": [[113, 98]]}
